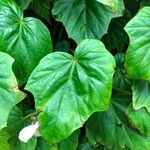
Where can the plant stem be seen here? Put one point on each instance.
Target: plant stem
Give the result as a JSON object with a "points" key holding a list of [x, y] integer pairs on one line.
{"points": [[35, 113], [121, 90]]}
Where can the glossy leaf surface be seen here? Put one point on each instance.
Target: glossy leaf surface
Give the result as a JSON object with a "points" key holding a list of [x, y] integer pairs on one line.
{"points": [[138, 54], [83, 19], [69, 89], [25, 39]]}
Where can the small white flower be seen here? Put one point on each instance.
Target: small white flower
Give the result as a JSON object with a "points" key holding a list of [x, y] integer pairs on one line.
{"points": [[27, 132]]}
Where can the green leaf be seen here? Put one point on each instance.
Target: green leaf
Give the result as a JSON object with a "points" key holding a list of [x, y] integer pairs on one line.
{"points": [[116, 5], [16, 122], [138, 54], [140, 119], [9, 92], [69, 89], [3, 140], [141, 94], [83, 19], [111, 128], [42, 8], [26, 39]]}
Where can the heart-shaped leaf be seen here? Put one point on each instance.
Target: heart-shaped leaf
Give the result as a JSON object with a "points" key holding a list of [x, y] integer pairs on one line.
{"points": [[138, 53], [26, 39], [69, 89], [9, 92], [84, 19]]}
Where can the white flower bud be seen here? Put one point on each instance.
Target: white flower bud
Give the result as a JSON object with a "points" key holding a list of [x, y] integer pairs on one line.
{"points": [[27, 132]]}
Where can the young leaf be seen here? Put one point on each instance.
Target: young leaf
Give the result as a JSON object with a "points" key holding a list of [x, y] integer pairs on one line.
{"points": [[25, 39], [16, 122], [140, 119], [3, 140], [138, 54], [83, 19], [141, 94], [9, 92], [69, 89], [111, 128]]}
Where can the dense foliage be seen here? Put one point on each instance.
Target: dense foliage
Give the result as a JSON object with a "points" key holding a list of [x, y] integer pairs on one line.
{"points": [[80, 68]]}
